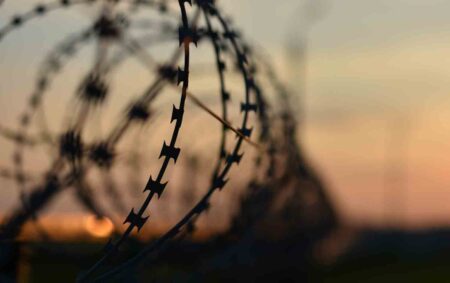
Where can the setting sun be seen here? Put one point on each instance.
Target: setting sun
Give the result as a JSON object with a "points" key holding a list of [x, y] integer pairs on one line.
{"points": [[98, 227]]}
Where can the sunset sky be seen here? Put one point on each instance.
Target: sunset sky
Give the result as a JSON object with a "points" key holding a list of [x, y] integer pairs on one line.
{"points": [[377, 104]]}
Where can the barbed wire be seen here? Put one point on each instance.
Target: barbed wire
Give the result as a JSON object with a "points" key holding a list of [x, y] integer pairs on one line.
{"points": [[219, 177], [73, 156], [70, 140]]}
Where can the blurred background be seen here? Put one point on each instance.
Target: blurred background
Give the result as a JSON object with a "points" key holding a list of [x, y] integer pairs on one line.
{"points": [[376, 120], [371, 86]]}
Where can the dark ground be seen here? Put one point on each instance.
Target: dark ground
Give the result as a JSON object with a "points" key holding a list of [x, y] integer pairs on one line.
{"points": [[377, 256]]}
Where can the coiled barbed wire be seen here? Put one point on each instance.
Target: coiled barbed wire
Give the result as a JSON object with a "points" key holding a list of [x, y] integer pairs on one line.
{"points": [[219, 177], [54, 64], [198, 21], [69, 141]]}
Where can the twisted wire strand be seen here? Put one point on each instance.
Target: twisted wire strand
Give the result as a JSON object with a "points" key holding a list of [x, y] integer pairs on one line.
{"points": [[156, 187], [218, 181]]}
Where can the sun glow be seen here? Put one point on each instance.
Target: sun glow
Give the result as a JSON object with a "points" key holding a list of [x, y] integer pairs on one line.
{"points": [[98, 227]]}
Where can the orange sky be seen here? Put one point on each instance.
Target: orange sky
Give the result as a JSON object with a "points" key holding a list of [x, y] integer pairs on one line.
{"points": [[377, 97]]}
